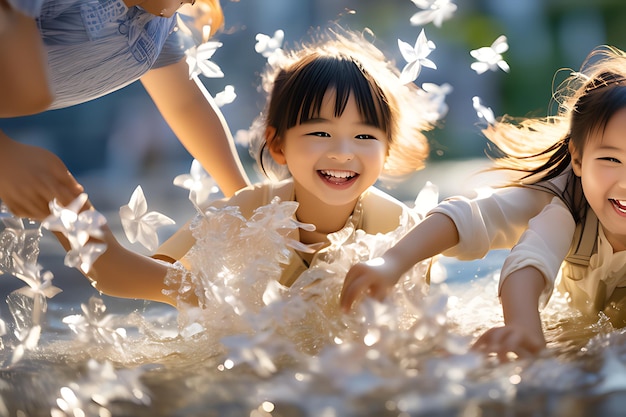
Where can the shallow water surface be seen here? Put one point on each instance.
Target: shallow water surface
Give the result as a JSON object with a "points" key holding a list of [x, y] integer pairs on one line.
{"points": [[154, 371], [259, 350]]}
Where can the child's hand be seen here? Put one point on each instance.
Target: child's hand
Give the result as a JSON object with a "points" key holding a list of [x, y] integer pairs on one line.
{"points": [[516, 339], [30, 177], [373, 278]]}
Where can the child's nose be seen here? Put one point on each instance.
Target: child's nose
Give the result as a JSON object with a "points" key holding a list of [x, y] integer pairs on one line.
{"points": [[622, 178], [341, 149]]}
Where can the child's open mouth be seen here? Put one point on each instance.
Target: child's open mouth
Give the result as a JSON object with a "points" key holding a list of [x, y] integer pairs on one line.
{"points": [[620, 205], [337, 177]]}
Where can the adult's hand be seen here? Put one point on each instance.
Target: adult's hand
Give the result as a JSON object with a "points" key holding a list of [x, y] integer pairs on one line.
{"points": [[31, 177]]}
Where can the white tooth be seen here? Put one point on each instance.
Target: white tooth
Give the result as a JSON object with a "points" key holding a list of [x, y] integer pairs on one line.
{"points": [[338, 174], [621, 205]]}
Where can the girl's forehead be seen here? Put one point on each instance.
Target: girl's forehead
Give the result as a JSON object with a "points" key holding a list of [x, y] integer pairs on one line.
{"points": [[611, 132], [329, 98]]}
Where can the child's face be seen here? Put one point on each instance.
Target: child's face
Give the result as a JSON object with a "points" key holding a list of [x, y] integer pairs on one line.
{"points": [[602, 169], [333, 159]]}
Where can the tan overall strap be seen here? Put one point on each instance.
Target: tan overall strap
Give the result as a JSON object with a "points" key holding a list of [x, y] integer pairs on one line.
{"points": [[585, 240]]}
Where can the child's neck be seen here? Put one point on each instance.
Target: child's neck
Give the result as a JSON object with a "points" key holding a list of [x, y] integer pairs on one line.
{"points": [[616, 241], [327, 219], [617, 245]]}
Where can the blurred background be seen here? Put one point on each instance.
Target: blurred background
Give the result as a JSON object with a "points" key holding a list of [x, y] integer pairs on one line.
{"points": [[116, 142]]}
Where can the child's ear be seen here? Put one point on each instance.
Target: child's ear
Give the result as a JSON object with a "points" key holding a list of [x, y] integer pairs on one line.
{"points": [[577, 159], [275, 150]]}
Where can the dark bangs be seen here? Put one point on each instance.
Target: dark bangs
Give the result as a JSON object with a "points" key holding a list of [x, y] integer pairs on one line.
{"points": [[594, 110], [298, 93]]}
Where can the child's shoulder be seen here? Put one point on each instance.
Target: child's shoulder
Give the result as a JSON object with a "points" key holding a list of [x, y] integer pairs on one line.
{"points": [[381, 211], [375, 195], [256, 195]]}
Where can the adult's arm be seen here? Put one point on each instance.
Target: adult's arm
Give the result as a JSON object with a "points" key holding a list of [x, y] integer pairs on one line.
{"points": [[30, 177], [194, 117], [24, 66]]}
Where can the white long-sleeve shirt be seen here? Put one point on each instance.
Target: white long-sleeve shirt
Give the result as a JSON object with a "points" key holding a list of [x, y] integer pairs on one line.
{"points": [[539, 229], [536, 225]]}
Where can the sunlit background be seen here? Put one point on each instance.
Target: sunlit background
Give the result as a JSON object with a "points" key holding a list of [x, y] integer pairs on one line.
{"points": [[121, 137], [119, 141]]}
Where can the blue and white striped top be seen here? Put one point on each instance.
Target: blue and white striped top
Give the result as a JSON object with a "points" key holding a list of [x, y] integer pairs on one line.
{"points": [[95, 47]]}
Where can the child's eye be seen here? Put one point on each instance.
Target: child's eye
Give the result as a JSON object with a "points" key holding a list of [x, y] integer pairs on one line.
{"points": [[365, 136], [610, 159], [319, 134]]}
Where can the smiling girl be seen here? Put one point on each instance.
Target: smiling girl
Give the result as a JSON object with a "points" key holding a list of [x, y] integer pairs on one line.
{"points": [[337, 117], [566, 214]]}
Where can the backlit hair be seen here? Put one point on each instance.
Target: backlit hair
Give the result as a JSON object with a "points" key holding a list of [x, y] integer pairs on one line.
{"points": [[346, 63], [585, 101], [207, 12]]}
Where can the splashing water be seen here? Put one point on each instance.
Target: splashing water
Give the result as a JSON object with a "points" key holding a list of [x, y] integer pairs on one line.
{"points": [[260, 349]]}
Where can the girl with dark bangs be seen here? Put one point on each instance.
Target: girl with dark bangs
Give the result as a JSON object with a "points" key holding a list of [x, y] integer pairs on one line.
{"points": [[564, 216], [331, 127]]}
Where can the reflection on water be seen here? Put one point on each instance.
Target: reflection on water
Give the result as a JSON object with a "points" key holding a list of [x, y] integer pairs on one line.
{"points": [[265, 351]]}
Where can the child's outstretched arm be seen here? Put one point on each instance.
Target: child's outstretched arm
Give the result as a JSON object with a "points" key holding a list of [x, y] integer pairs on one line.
{"points": [[522, 333], [467, 228], [527, 281], [436, 233], [120, 272], [197, 122]]}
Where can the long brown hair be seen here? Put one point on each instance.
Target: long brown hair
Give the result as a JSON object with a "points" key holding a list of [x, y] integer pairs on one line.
{"points": [[538, 148]]}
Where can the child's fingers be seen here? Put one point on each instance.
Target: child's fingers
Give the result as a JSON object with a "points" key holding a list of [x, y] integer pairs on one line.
{"points": [[512, 342], [346, 298], [506, 340], [353, 287], [361, 280], [493, 341]]}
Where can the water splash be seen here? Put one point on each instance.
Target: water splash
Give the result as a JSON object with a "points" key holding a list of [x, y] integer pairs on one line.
{"points": [[259, 348]]}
